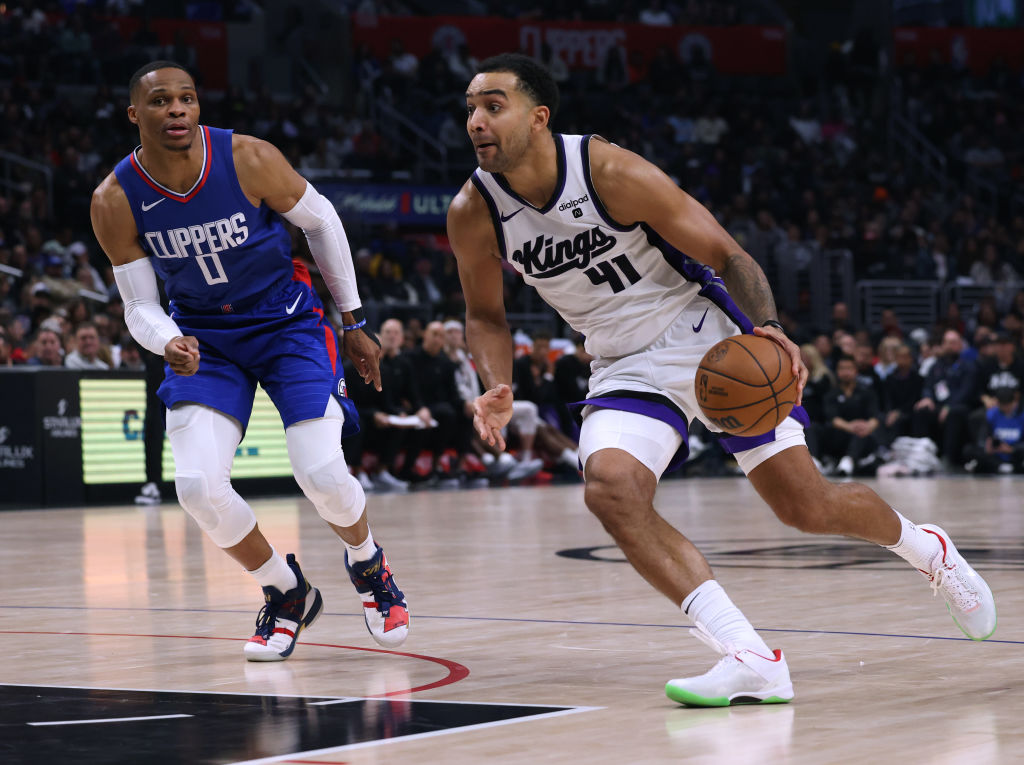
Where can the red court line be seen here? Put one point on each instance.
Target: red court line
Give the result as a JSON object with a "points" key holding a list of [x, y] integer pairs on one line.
{"points": [[456, 671]]}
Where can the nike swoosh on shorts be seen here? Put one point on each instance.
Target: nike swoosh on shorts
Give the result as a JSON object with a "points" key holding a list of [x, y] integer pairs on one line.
{"points": [[293, 306]]}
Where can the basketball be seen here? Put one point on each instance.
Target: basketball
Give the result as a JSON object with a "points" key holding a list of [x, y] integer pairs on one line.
{"points": [[745, 385]]}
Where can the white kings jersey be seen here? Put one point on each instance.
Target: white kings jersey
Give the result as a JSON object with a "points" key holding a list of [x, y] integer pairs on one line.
{"points": [[621, 286]]}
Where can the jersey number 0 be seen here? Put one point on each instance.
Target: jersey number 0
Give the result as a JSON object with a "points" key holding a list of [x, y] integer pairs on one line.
{"points": [[212, 268]]}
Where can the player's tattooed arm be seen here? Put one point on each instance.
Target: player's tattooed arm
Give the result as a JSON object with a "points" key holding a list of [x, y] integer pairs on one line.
{"points": [[749, 287]]}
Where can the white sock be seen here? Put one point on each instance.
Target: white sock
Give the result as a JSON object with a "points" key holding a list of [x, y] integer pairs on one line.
{"points": [[487, 458], [506, 459], [276, 573], [525, 454], [363, 551], [570, 457], [916, 547], [709, 607]]}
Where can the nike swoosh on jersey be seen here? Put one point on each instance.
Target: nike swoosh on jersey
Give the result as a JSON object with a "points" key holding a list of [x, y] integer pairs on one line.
{"points": [[698, 325], [146, 208], [507, 218], [294, 305]]}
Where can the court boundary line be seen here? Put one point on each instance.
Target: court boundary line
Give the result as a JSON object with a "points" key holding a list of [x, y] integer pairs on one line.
{"points": [[572, 710], [518, 620]]}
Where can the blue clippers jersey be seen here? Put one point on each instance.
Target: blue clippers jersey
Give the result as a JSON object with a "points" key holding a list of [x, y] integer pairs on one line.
{"points": [[214, 251]]}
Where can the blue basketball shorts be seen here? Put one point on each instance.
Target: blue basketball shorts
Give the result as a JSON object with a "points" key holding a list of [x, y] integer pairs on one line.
{"points": [[282, 342]]}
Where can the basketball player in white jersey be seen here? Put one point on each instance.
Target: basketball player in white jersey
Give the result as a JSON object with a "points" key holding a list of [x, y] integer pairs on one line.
{"points": [[652, 281]]}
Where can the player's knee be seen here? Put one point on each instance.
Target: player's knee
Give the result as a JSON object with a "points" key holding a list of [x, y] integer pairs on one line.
{"points": [[617, 497], [334, 492], [219, 511]]}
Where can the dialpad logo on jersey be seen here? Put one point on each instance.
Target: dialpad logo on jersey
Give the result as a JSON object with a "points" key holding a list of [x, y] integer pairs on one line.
{"points": [[574, 203], [544, 258], [195, 241]]}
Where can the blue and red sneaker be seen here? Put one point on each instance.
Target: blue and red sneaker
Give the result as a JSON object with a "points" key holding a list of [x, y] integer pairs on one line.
{"points": [[384, 607], [283, 617]]}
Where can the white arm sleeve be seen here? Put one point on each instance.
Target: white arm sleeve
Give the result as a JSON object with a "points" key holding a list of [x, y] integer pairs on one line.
{"points": [[147, 321], [319, 221]]}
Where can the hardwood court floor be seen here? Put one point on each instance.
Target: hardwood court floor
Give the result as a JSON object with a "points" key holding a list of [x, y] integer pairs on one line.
{"points": [[522, 590]]}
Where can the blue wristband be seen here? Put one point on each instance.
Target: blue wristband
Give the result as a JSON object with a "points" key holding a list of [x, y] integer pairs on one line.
{"points": [[357, 325]]}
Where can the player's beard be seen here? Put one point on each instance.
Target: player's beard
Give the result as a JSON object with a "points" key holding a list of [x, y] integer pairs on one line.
{"points": [[506, 155]]}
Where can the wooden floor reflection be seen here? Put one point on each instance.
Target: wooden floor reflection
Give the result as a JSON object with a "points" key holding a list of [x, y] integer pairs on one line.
{"points": [[518, 598]]}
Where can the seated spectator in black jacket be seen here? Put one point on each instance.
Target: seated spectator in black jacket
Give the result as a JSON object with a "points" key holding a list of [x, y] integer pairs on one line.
{"points": [[851, 419], [572, 381], [998, 446], [864, 358], [435, 379], [533, 378], [948, 394], [379, 410], [901, 389]]}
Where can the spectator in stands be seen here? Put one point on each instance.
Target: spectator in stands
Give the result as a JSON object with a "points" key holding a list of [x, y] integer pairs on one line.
{"points": [[533, 378], [131, 357], [435, 379], [851, 419], [572, 381], [864, 358], [47, 350], [947, 396], [60, 288], [999, 446], [87, 348], [390, 419], [524, 422], [820, 380], [901, 390], [886, 363]]}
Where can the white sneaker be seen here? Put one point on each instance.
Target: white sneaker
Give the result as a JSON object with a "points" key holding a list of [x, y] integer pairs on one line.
{"points": [[364, 481], [740, 677], [384, 480], [525, 469], [845, 466], [149, 494], [968, 597]]}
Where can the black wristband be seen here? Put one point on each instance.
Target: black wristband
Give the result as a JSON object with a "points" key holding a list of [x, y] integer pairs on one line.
{"points": [[773, 323], [357, 315]]}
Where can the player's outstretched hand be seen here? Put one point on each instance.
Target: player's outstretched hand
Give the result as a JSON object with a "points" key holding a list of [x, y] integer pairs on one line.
{"points": [[491, 413], [363, 350], [182, 354], [793, 351]]}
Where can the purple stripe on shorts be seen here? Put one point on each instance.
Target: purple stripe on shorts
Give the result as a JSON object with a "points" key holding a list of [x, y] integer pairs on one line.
{"points": [[649, 409], [733, 444]]}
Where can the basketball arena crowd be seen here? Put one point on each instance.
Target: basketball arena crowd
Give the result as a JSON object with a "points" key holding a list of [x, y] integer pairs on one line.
{"points": [[793, 167]]}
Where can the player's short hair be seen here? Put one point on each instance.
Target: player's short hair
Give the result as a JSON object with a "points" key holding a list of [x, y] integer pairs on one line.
{"points": [[534, 78], [152, 66]]}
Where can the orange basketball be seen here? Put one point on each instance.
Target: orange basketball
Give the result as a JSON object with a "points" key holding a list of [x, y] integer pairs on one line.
{"points": [[745, 385]]}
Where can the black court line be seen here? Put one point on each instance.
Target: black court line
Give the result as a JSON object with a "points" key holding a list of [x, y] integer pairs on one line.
{"points": [[104, 726]]}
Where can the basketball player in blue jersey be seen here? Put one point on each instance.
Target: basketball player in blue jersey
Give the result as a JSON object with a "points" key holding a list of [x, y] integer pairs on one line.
{"points": [[202, 208], [652, 281]]}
